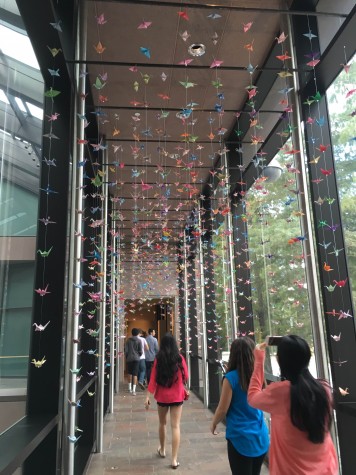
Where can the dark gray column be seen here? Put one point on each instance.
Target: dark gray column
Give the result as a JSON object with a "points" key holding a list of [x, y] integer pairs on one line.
{"points": [[335, 287]]}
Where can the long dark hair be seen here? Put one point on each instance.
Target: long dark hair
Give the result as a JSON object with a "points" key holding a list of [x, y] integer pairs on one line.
{"points": [[242, 359], [169, 362], [310, 408]]}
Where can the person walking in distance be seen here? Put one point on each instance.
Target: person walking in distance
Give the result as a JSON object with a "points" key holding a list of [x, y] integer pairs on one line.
{"points": [[246, 431], [301, 412], [151, 353], [169, 374], [133, 352], [142, 362]]}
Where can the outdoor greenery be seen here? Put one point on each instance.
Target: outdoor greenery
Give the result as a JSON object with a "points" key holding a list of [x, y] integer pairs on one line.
{"points": [[342, 109], [277, 258]]}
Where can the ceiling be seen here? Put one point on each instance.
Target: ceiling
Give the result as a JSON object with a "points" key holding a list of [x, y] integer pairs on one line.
{"points": [[165, 116]]}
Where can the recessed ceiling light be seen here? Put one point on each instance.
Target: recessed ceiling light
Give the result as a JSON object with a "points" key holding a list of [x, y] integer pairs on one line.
{"points": [[196, 49]]}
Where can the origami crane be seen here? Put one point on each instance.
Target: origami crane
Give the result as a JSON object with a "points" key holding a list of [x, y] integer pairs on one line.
{"points": [[38, 363], [39, 327]]}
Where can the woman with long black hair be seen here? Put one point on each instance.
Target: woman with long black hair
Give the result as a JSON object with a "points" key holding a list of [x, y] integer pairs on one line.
{"points": [[168, 376], [301, 412], [246, 432]]}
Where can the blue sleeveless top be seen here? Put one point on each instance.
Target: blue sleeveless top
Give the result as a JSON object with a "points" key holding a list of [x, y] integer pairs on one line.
{"points": [[245, 425]]}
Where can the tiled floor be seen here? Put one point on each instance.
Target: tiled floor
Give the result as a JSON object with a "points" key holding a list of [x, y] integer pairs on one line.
{"points": [[131, 441]]}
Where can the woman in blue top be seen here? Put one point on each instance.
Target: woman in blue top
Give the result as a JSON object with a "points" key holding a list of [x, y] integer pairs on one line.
{"points": [[246, 432]]}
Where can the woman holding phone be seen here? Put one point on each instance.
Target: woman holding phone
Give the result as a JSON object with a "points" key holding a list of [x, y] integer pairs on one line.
{"points": [[301, 412], [246, 431]]}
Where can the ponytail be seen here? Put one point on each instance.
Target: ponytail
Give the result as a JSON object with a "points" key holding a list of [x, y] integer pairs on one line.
{"points": [[310, 408]]}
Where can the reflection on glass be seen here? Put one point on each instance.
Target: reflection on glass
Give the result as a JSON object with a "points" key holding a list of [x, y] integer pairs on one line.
{"points": [[223, 316], [20, 145], [199, 320], [342, 105], [279, 287]]}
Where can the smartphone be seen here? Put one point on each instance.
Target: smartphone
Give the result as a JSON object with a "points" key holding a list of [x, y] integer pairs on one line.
{"points": [[273, 340]]}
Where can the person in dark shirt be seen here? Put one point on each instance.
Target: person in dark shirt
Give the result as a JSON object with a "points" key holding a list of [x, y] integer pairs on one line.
{"points": [[133, 352]]}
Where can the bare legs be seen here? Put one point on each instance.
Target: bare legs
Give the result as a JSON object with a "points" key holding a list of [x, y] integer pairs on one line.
{"points": [[176, 413], [162, 415]]}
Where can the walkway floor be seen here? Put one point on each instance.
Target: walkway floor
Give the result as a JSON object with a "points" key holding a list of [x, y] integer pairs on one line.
{"points": [[131, 441]]}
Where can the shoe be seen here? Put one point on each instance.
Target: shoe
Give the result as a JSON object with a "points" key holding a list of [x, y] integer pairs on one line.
{"points": [[175, 466], [141, 386], [160, 453], [134, 393]]}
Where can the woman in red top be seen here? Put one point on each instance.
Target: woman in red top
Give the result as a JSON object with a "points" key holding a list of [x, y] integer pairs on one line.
{"points": [[301, 412], [169, 374]]}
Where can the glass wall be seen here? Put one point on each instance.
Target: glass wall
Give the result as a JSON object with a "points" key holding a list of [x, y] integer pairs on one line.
{"points": [[21, 96], [342, 105], [276, 253], [200, 324], [223, 311]]}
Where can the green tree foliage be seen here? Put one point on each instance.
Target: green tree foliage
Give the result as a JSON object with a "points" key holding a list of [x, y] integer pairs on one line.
{"points": [[279, 288], [342, 112]]}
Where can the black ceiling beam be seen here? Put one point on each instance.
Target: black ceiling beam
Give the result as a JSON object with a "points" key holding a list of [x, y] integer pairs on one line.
{"points": [[168, 199], [263, 83], [173, 109], [330, 65], [130, 234], [148, 221], [174, 66], [150, 165], [140, 261], [209, 6], [163, 141]]}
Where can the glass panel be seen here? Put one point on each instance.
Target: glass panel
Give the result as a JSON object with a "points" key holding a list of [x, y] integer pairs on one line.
{"points": [[342, 105], [17, 46], [222, 292], [200, 326], [19, 194], [277, 263]]}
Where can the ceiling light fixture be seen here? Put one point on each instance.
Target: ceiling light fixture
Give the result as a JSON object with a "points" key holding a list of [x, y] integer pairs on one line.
{"points": [[196, 49]]}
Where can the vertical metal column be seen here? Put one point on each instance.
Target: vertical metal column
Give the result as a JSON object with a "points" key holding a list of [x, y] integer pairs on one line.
{"points": [[112, 321], [306, 225], [101, 356], [75, 271], [232, 268], [176, 317], [204, 347], [117, 319], [186, 307]]}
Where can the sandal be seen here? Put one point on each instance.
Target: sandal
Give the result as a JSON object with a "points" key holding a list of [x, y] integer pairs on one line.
{"points": [[175, 466], [159, 453]]}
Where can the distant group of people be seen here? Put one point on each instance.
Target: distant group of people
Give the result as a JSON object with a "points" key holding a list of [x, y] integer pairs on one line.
{"points": [[300, 407], [140, 354]]}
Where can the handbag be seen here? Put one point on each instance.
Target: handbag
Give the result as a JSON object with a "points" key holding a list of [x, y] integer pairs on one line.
{"points": [[186, 394]]}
